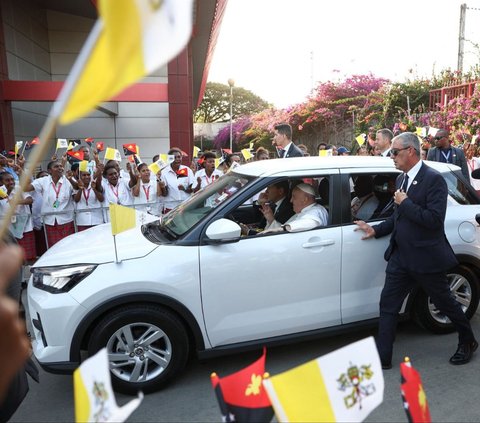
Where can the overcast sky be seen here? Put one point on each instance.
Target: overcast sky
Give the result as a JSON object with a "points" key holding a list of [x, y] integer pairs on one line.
{"points": [[275, 48]]}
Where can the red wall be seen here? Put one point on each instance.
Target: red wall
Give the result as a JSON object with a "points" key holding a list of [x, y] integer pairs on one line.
{"points": [[6, 119]]}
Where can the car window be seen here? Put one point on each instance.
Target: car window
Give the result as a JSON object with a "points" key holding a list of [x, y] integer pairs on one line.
{"points": [[371, 195], [458, 190], [278, 196], [181, 219]]}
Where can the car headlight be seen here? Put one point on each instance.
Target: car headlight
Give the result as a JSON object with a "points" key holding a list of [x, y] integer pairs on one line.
{"points": [[60, 279]]}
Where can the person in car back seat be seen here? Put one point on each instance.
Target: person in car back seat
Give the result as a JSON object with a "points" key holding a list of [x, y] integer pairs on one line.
{"points": [[308, 214], [365, 203]]}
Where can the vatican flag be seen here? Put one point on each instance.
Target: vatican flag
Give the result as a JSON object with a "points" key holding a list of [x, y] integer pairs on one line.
{"points": [[136, 37], [122, 218], [343, 386], [93, 393]]}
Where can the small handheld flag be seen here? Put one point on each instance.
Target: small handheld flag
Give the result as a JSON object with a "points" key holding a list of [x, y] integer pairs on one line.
{"points": [[474, 139], [182, 173], [83, 166], [62, 143], [89, 141], [135, 160], [155, 167], [196, 150], [99, 146], [432, 131], [18, 146], [241, 395], [113, 154], [247, 154], [414, 398], [75, 156], [129, 149], [360, 139], [93, 393]]}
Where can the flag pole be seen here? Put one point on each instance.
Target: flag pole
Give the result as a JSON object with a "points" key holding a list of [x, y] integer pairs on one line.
{"points": [[51, 123], [115, 248]]}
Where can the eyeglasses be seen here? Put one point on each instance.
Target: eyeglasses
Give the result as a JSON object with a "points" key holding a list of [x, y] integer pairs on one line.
{"points": [[395, 151], [439, 138]]}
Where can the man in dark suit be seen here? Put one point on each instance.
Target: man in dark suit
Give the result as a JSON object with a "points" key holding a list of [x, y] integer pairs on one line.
{"points": [[282, 139], [383, 141], [444, 152], [419, 253]]}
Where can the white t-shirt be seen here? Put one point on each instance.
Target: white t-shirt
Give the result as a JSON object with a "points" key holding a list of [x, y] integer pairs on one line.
{"points": [[206, 180], [89, 209], [55, 199], [174, 195], [121, 194]]}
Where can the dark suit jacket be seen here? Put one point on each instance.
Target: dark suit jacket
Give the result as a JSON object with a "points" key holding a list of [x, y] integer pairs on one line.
{"points": [[458, 158], [282, 214], [417, 225], [294, 151]]}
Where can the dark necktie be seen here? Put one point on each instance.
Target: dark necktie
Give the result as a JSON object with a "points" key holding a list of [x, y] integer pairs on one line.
{"points": [[281, 153], [405, 183]]}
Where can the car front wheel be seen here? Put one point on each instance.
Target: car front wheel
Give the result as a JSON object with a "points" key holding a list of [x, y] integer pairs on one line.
{"points": [[146, 346], [464, 287]]}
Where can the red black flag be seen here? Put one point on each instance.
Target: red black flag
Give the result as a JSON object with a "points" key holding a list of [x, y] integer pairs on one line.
{"points": [[89, 141], [182, 172], [414, 398], [32, 143], [74, 156], [129, 149], [74, 142], [99, 146], [241, 395], [226, 151], [134, 159]]}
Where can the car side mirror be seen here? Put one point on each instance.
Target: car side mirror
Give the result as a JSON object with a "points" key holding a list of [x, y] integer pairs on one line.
{"points": [[223, 231], [477, 218]]}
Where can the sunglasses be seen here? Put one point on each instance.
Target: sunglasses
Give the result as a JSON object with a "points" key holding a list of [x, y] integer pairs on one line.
{"points": [[439, 138], [395, 151]]}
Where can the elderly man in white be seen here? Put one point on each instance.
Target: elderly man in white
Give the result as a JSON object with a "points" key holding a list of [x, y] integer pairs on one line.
{"points": [[308, 214]]}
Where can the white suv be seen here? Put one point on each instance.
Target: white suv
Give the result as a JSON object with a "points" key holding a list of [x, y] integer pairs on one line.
{"points": [[192, 283]]}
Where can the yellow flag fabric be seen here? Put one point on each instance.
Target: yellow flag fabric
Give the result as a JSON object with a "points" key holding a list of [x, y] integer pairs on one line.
{"points": [[137, 37], [83, 166], [3, 192], [18, 146], [324, 153], [247, 154], [113, 154], [155, 168], [345, 385], [196, 150], [122, 218], [217, 163], [360, 139]]}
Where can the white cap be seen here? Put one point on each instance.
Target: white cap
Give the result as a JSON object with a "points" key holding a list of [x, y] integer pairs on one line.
{"points": [[306, 188]]}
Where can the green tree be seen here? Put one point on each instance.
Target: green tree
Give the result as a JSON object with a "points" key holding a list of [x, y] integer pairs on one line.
{"points": [[215, 106]]}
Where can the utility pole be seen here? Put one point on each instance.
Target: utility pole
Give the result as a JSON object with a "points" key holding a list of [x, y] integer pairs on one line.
{"points": [[461, 37]]}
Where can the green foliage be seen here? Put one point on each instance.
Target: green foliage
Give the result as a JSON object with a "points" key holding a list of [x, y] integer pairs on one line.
{"points": [[215, 106]]}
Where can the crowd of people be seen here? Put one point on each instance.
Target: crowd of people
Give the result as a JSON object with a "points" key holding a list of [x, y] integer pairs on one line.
{"points": [[64, 199]]}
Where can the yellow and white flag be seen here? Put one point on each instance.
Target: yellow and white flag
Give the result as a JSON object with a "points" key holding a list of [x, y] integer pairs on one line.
{"points": [[342, 386], [94, 397], [167, 158], [421, 131], [113, 154], [137, 38], [247, 155], [474, 139], [3, 192], [18, 146], [361, 139], [196, 150], [62, 143], [122, 218], [157, 166], [325, 153], [217, 163], [83, 166]]}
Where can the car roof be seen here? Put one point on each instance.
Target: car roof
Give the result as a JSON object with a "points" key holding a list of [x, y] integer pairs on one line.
{"points": [[272, 167]]}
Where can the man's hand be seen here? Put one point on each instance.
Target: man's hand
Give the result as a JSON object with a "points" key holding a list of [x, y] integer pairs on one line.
{"points": [[399, 196], [365, 227]]}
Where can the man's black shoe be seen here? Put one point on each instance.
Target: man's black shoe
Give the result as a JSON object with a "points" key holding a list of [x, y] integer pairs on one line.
{"points": [[386, 366], [464, 353]]}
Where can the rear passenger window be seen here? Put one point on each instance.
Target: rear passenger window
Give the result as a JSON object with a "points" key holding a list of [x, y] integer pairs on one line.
{"points": [[372, 195]]}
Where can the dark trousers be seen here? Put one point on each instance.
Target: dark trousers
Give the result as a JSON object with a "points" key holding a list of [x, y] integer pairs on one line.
{"points": [[398, 283]]}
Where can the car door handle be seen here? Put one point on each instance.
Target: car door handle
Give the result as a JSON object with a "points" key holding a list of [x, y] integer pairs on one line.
{"points": [[318, 243]]}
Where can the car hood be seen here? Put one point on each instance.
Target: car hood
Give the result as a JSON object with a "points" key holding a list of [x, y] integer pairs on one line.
{"points": [[96, 245]]}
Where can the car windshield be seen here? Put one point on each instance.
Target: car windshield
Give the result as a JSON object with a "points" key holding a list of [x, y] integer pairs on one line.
{"points": [[184, 217]]}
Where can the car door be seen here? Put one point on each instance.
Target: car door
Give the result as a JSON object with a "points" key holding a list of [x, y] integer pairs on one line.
{"points": [[363, 265], [271, 285]]}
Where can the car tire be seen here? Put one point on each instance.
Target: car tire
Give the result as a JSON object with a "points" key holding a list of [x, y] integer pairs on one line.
{"points": [[464, 286], [147, 346]]}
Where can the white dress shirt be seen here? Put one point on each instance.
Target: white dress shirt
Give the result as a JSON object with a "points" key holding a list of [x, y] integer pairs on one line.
{"points": [[89, 209], [174, 195], [148, 195], [207, 180], [59, 195]]}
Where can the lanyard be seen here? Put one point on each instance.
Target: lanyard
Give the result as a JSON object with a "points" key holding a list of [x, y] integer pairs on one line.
{"points": [[447, 156], [471, 164], [86, 195], [209, 181], [57, 191], [146, 191], [114, 193]]}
